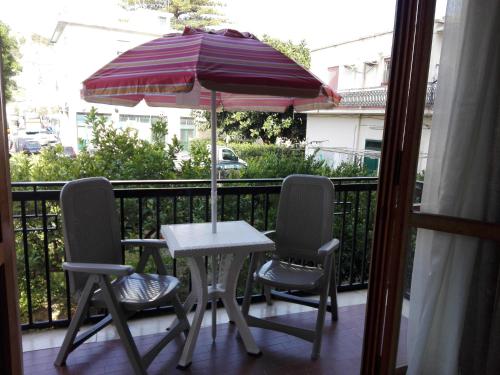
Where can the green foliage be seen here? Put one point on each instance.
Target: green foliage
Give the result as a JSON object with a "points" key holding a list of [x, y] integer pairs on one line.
{"points": [[11, 60], [174, 148], [278, 161], [20, 167], [193, 13], [421, 175], [120, 154], [248, 150], [252, 125], [159, 131], [53, 164], [199, 152], [198, 166]]}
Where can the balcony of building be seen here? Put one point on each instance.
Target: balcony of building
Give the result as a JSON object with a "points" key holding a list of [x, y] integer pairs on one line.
{"points": [[46, 306], [376, 97]]}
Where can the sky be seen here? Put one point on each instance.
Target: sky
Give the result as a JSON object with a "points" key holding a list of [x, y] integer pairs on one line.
{"points": [[318, 22]]}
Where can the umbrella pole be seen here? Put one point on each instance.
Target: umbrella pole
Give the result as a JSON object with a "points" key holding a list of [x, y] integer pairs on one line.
{"points": [[214, 160], [214, 207]]}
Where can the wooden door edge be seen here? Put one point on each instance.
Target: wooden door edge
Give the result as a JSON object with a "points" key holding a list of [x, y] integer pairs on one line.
{"points": [[12, 352]]}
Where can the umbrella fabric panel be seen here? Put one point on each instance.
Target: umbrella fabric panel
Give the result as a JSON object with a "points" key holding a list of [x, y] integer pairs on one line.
{"points": [[200, 98], [163, 65], [239, 102], [226, 101], [246, 65], [225, 60]]}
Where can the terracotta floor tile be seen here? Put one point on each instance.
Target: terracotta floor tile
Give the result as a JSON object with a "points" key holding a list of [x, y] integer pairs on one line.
{"points": [[282, 354]]}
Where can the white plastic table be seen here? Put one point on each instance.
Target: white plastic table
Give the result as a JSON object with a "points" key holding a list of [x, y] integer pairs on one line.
{"points": [[233, 242]]}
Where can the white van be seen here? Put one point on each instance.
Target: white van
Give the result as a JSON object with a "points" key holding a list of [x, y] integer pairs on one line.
{"points": [[226, 158]]}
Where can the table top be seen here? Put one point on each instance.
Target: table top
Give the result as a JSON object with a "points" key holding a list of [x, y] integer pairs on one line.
{"points": [[186, 240]]}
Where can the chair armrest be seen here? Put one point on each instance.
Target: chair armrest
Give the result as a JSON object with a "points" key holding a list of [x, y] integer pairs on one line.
{"points": [[98, 268], [329, 247], [150, 242]]}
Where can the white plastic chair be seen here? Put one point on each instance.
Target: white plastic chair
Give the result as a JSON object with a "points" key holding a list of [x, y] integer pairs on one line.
{"points": [[303, 233], [93, 257]]}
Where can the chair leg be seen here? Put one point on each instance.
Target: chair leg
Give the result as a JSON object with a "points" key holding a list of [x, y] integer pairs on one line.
{"points": [[267, 295], [176, 330], [121, 326], [333, 296], [181, 314], [76, 322], [245, 306], [320, 321]]}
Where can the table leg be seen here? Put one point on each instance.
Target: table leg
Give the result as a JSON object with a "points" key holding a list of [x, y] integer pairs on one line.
{"points": [[214, 299], [200, 291], [228, 297]]}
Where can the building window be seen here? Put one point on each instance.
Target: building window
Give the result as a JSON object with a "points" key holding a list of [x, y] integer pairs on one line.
{"points": [[130, 120], [387, 71], [369, 74], [187, 121], [134, 121], [372, 155], [333, 79], [142, 124], [188, 132]]}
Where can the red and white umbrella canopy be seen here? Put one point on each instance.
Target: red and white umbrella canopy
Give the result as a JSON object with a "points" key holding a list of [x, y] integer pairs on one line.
{"points": [[212, 70], [180, 70]]}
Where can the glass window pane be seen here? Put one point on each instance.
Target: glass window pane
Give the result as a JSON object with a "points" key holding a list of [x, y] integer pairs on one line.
{"points": [[449, 312], [450, 319]]}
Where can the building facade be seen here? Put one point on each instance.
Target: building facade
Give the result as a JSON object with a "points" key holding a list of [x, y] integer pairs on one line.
{"points": [[359, 70], [80, 42]]}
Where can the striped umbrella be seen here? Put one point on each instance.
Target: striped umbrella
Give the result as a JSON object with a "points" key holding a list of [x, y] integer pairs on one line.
{"points": [[211, 70]]}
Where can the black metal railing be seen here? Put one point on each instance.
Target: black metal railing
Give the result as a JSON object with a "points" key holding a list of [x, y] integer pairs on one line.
{"points": [[143, 206], [377, 97]]}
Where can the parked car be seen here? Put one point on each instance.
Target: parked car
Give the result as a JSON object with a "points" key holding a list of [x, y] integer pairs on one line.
{"points": [[31, 146], [45, 137], [226, 159]]}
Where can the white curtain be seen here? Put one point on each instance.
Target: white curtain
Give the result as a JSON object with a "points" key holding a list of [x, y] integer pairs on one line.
{"points": [[462, 179]]}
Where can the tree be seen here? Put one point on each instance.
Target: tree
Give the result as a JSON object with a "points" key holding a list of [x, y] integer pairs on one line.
{"points": [[239, 126], [251, 125], [120, 154], [159, 131], [10, 59], [193, 13]]}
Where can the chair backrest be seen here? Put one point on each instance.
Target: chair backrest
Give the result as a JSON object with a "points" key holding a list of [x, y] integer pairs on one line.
{"points": [[305, 216], [90, 224]]}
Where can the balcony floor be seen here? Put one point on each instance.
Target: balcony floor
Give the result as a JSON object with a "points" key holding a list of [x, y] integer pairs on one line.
{"points": [[283, 354]]}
